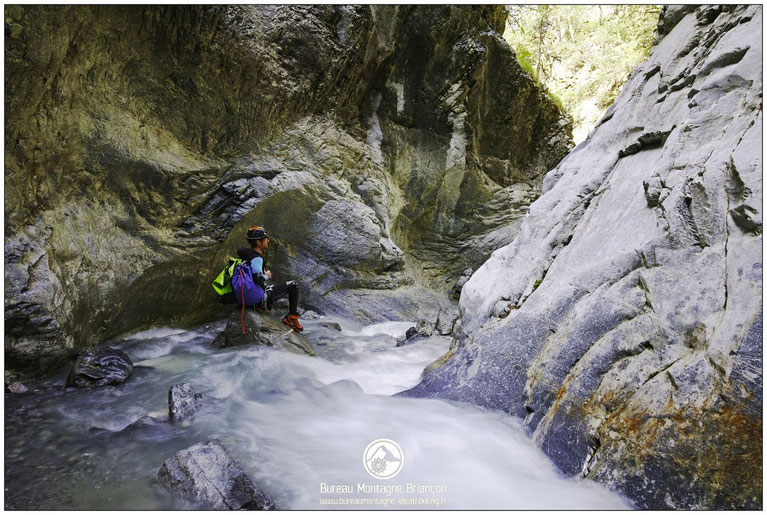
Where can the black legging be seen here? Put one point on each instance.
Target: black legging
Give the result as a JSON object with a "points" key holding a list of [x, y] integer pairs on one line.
{"points": [[278, 291]]}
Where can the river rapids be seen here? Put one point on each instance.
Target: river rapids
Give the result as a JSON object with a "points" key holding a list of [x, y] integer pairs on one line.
{"points": [[299, 425]]}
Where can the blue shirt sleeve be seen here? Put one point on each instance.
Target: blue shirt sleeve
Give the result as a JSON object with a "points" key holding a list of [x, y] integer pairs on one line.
{"points": [[257, 265]]}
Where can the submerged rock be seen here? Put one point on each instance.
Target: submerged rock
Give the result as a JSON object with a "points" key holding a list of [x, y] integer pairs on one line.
{"points": [[624, 321], [100, 367], [262, 329], [17, 388], [424, 328], [182, 401], [207, 474], [421, 330]]}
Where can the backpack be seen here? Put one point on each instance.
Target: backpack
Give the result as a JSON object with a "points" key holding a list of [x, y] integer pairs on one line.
{"points": [[246, 291], [223, 282]]}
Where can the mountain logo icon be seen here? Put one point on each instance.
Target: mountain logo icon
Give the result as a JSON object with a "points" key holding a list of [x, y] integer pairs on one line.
{"points": [[383, 458]]}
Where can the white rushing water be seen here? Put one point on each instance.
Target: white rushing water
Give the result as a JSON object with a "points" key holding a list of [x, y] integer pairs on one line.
{"points": [[298, 424]]}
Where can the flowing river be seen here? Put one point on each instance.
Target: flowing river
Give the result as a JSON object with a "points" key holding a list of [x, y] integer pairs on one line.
{"points": [[299, 425]]}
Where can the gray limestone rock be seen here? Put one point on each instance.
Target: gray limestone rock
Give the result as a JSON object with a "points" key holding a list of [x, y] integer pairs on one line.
{"points": [[423, 329], [446, 321], [375, 175], [655, 191], [207, 474], [455, 293], [370, 306], [624, 319], [17, 388], [332, 325], [261, 329], [182, 401], [104, 366]]}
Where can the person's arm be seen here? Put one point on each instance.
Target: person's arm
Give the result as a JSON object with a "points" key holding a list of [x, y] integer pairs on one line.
{"points": [[257, 265]]}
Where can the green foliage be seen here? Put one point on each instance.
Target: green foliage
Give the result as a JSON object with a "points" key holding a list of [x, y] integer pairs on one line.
{"points": [[583, 54], [537, 283], [524, 61], [557, 100]]}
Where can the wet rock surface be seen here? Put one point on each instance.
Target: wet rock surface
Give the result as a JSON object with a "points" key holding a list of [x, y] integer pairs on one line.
{"points": [[165, 131], [262, 329], [207, 474], [182, 401], [104, 366], [332, 325], [423, 329], [446, 320], [624, 321], [17, 388]]}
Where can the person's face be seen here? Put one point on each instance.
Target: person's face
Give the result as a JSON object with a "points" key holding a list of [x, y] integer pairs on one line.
{"points": [[265, 243]]}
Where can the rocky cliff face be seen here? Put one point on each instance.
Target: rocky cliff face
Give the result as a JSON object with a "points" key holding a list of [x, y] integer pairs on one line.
{"points": [[624, 322], [386, 148]]}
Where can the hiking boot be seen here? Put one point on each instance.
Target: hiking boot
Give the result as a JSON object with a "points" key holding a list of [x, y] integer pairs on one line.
{"points": [[292, 322]]}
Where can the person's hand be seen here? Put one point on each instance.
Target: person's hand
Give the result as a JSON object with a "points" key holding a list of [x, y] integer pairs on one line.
{"points": [[268, 273]]}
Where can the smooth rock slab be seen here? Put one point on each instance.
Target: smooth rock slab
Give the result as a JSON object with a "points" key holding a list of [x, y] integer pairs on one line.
{"points": [[207, 474], [617, 321], [100, 367]]}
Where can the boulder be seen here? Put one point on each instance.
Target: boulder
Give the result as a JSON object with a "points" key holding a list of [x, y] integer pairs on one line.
{"points": [[446, 321], [182, 401], [207, 474], [423, 329], [100, 367], [262, 329], [17, 388]]}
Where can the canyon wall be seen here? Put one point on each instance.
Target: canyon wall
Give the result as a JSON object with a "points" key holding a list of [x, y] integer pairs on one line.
{"points": [[624, 322], [385, 148]]}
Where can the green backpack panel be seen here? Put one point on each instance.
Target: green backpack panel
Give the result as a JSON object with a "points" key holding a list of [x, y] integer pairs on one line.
{"points": [[223, 283]]}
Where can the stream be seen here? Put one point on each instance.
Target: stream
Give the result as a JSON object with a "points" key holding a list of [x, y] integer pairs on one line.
{"points": [[298, 425]]}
